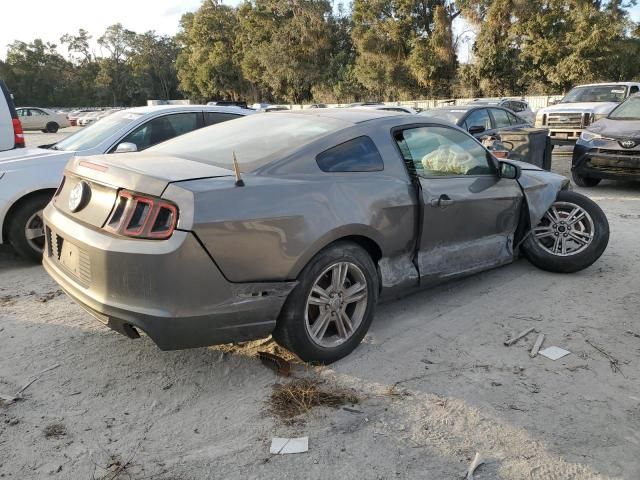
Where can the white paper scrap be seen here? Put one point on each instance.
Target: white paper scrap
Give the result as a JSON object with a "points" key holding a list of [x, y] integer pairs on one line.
{"points": [[554, 353], [281, 446]]}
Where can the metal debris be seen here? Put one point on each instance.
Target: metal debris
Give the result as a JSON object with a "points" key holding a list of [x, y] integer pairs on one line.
{"points": [[477, 461], [275, 363], [537, 345], [522, 334]]}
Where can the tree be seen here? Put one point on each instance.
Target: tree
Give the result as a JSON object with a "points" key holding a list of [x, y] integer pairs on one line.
{"points": [[114, 74], [153, 62]]}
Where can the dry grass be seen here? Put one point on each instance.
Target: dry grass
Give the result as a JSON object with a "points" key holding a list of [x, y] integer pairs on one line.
{"points": [[294, 398], [55, 430]]}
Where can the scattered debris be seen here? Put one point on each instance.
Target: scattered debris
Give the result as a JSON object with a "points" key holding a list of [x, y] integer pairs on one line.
{"points": [[554, 353], [301, 395], [18, 396], [629, 332], [522, 334], [275, 363], [55, 430], [352, 410], [477, 461], [49, 296], [613, 361], [537, 345], [283, 446]]}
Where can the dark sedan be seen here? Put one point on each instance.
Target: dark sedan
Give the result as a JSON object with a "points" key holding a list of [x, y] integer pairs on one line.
{"points": [[610, 148], [296, 223], [478, 119]]}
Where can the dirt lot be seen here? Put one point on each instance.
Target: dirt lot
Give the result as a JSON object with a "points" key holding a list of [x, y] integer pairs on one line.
{"points": [[436, 384]]}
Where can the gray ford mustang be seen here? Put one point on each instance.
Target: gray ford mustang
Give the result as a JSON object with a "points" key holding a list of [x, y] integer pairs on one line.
{"points": [[323, 213]]}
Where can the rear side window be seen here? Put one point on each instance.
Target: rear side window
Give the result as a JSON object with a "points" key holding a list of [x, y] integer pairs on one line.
{"points": [[500, 117], [514, 119], [211, 118], [357, 155]]}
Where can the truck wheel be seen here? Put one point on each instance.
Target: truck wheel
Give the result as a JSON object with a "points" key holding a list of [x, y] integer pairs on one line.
{"points": [[573, 234], [26, 228], [52, 127], [583, 181], [329, 312]]}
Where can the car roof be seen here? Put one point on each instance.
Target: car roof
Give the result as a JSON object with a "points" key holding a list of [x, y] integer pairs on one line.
{"points": [[178, 108], [350, 115], [627, 84]]}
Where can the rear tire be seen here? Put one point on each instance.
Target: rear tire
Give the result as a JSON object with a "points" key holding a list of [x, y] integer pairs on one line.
{"points": [[585, 182], [52, 127], [26, 222], [319, 304], [575, 225]]}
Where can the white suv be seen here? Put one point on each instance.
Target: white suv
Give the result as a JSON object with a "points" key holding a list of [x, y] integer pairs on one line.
{"points": [[30, 177], [11, 134], [582, 106]]}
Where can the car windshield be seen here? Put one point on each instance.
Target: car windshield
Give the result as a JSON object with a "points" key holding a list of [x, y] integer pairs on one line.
{"points": [[596, 93], [254, 139], [448, 115], [629, 110], [95, 134]]}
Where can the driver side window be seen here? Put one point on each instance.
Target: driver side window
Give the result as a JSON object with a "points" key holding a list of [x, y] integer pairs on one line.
{"points": [[441, 151], [479, 118]]}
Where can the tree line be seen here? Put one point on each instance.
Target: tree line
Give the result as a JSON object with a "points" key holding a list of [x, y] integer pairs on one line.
{"points": [[300, 51]]}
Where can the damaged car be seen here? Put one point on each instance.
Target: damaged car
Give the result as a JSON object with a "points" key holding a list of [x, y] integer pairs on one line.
{"points": [[295, 224], [610, 148]]}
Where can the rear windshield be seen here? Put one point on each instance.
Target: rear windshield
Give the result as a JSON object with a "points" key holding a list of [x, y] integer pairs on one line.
{"points": [[448, 115], [255, 140], [596, 93], [95, 134], [629, 110]]}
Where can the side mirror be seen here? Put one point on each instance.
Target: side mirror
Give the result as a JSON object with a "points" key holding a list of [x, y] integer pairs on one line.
{"points": [[510, 171], [126, 147], [476, 129]]}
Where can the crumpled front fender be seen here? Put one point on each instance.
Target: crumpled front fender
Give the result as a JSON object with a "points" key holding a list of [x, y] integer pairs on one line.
{"points": [[540, 189]]}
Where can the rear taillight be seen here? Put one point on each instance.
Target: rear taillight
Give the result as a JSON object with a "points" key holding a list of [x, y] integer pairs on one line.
{"points": [[18, 133], [142, 216]]}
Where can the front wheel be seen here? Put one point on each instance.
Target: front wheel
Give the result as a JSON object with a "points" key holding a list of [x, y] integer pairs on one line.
{"points": [[329, 312], [52, 127], [572, 234]]}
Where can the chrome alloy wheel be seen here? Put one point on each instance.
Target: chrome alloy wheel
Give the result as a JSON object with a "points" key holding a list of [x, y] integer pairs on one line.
{"points": [[566, 229], [336, 304], [34, 231]]}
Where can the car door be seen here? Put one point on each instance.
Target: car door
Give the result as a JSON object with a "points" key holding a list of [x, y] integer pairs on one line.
{"points": [[478, 123], [470, 214], [501, 121], [26, 118], [162, 128]]}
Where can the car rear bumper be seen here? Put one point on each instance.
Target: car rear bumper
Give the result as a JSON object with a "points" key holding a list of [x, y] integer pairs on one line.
{"points": [[606, 164], [171, 289]]}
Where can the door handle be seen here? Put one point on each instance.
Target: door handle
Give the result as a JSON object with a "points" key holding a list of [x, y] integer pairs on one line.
{"points": [[441, 201]]}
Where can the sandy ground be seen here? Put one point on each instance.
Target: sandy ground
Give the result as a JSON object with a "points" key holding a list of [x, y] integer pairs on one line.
{"points": [[436, 382]]}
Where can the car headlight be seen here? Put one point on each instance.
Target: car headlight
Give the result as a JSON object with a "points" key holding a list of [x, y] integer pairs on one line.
{"points": [[590, 136]]}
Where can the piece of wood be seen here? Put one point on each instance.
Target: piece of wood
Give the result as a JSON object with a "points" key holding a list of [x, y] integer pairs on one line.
{"points": [[537, 345], [522, 334], [477, 461]]}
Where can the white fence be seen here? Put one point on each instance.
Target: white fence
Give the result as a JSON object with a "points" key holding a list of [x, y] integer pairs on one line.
{"points": [[535, 102]]}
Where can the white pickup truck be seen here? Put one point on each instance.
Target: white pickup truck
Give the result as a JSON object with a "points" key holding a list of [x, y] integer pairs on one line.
{"points": [[582, 106]]}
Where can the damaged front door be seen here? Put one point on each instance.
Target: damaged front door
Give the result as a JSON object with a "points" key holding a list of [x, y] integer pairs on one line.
{"points": [[470, 214]]}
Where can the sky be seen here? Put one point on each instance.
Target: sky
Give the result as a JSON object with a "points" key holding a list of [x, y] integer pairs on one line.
{"points": [[49, 20]]}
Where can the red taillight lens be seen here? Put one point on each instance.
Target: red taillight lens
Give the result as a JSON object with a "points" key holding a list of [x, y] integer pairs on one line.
{"points": [[18, 133], [142, 216]]}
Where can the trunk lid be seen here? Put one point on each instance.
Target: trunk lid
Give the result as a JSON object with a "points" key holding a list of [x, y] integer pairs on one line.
{"points": [[105, 175]]}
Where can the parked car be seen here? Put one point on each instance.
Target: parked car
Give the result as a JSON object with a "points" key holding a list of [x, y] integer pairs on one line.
{"points": [[42, 119], [517, 106], [477, 119], [609, 148], [11, 133], [228, 103], [295, 223], [29, 178], [74, 116], [91, 117], [389, 108], [582, 106]]}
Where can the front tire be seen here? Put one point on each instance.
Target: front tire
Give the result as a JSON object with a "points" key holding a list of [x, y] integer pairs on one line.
{"points": [[330, 310], [585, 182], [571, 236], [26, 228], [52, 127]]}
